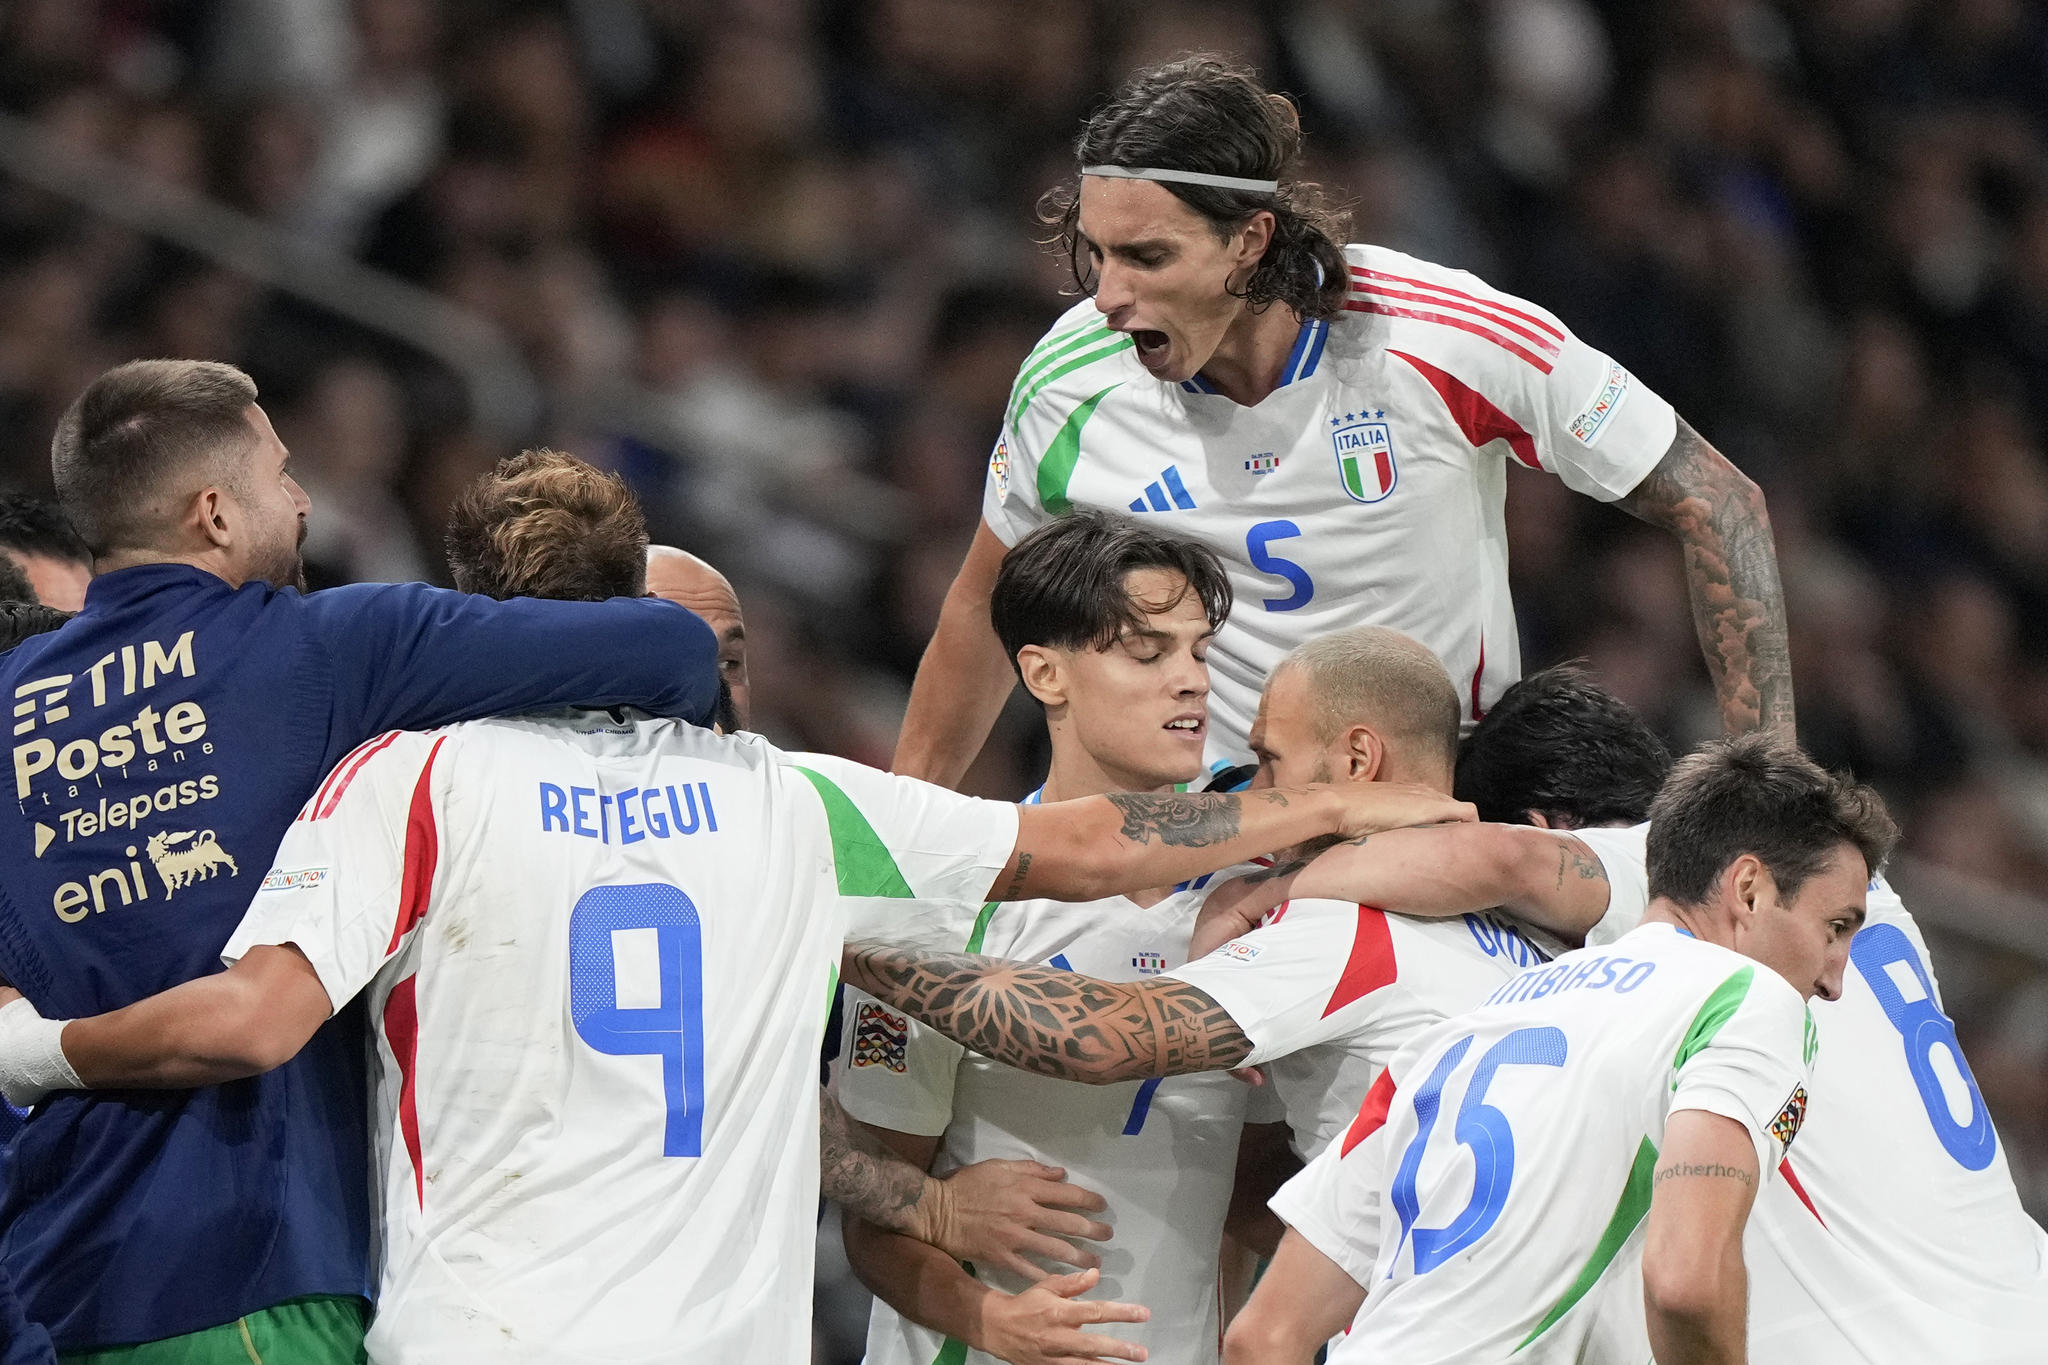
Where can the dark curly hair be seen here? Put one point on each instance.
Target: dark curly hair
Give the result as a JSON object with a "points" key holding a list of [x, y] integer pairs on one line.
{"points": [[1201, 113]]}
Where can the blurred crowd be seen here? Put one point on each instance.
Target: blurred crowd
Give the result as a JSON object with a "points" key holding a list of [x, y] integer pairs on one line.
{"points": [[804, 232]]}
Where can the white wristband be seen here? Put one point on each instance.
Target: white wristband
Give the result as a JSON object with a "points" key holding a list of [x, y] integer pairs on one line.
{"points": [[32, 1061]]}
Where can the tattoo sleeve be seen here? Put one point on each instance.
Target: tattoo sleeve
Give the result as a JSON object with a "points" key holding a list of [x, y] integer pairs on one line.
{"points": [[1575, 859], [1053, 1022], [1182, 819], [861, 1175], [1731, 571]]}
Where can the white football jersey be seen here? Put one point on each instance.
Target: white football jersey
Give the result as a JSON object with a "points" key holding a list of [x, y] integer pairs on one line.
{"points": [[1328, 991], [1366, 490], [1896, 1234], [1493, 1189], [1162, 1152], [599, 958]]}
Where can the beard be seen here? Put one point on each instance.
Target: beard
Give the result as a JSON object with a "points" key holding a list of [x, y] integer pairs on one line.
{"points": [[284, 567]]}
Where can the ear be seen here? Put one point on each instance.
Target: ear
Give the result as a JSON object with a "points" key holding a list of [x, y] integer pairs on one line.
{"points": [[210, 517], [1254, 237], [1362, 754], [1045, 674], [1747, 883], [1537, 818]]}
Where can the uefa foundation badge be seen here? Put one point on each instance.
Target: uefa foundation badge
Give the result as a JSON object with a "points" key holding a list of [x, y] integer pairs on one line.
{"points": [[1364, 447]]}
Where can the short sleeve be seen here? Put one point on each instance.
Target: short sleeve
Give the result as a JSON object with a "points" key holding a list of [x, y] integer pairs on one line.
{"points": [[1334, 1202], [1622, 854], [1603, 429], [1288, 983], [1009, 496], [898, 1074], [1746, 1057], [356, 870], [913, 861]]}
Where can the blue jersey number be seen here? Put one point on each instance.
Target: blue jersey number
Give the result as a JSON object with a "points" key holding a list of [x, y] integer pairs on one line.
{"points": [[1255, 542], [1483, 1129], [1923, 1027], [666, 1015]]}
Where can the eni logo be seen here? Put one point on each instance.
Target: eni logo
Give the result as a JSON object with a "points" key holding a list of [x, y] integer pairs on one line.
{"points": [[181, 866]]}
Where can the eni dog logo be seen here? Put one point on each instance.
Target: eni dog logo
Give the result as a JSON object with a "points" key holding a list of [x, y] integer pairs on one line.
{"points": [[182, 866]]}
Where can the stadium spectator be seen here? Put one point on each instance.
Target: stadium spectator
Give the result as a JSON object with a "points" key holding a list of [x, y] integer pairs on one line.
{"points": [[174, 728], [40, 542], [783, 855]]}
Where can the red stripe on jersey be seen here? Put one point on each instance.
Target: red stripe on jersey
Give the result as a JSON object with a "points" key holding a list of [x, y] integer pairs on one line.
{"points": [[1477, 674], [348, 771], [1513, 348], [1276, 914], [422, 852], [1371, 964], [1494, 304], [1372, 1115], [1537, 339], [1475, 413], [402, 1032], [1785, 1169]]}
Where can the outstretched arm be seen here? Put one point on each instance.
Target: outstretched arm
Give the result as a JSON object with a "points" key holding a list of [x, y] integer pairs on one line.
{"points": [[1053, 1022], [963, 678], [1731, 570], [1126, 841], [1548, 877]]}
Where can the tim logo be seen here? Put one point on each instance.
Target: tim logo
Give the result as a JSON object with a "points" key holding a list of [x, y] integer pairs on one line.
{"points": [[1149, 964], [1365, 455], [182, 866]]}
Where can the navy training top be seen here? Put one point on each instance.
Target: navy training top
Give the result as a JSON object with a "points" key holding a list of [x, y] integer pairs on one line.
{"points": [[163, 740]]}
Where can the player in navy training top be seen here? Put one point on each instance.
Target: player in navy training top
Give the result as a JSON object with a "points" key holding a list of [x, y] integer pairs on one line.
{"points": [[162, 742]]}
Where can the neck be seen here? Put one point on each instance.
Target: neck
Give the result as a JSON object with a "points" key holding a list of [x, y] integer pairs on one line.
{"points": [[1247, 364], [1076, 773], [1701, 921], [116, 560]]}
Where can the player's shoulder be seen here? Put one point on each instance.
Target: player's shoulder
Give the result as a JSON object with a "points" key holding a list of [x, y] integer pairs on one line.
{"points": [[1443, 316], [1078, 360]]}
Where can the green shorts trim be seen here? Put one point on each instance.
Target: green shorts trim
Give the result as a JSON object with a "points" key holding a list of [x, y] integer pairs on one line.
{"points": [[320, 1329]]}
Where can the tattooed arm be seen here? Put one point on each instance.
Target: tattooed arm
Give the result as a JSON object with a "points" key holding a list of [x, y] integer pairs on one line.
{"points": [[1731, 570], [1053, 1022], [1548, 877], [859, 1172], [1127, 841], [1695, 1289]]}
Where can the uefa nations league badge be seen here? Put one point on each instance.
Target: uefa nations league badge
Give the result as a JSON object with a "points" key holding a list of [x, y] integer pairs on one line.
{"points": [[1365, 455]]}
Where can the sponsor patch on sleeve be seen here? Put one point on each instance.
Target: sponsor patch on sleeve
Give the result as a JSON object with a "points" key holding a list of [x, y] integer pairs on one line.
{"points": [[302, 879], [1239, 951], [999, 469], [1785, 1127], [880, 1038], [1586, 426]]}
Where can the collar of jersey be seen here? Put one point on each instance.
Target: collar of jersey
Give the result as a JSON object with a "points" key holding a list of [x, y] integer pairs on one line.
{"points": [[1301, 361]]}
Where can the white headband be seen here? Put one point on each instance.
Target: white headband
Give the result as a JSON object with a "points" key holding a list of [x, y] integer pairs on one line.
{"points": [[1222, 182]]}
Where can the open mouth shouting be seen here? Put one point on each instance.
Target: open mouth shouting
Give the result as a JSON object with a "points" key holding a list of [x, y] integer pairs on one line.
{"points": [[1153, 348]]}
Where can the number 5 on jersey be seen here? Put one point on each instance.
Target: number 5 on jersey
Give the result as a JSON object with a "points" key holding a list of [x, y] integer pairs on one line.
{"points": [[636, 987]]}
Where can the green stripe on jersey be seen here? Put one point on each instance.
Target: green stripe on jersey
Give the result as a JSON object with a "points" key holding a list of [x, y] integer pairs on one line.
{"points": [[859, 856], [1086, 358], [1812, 1037], [1633, 1207], [954, 1352], [1056, 470], [1719, 1009], [980, 927], [1049, 351]]}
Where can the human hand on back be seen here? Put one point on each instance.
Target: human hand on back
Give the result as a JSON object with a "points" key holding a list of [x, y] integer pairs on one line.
{"points": [[1041, 1326], [993, 1212]]}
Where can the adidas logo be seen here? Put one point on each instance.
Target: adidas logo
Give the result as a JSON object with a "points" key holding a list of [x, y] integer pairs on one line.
{"points": [[1156, 493]]}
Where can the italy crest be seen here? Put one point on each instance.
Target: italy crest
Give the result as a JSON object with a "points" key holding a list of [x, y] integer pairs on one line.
{"points": [[1365, 455]]}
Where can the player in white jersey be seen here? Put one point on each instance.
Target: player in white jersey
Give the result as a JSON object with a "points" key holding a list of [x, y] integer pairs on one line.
{"points": [[1335, 422], [1324, 995], [1615, 1111], [1108, 621], [598, 952], [1896, 1233]]}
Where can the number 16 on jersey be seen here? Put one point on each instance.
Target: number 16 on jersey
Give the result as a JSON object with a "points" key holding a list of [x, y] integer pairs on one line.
{"points": [[636, 987]]}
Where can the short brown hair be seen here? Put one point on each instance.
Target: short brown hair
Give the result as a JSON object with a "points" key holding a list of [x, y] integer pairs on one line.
{"points": [[134, 430], [1757, 794], [545, 524], [1378, 674]]}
